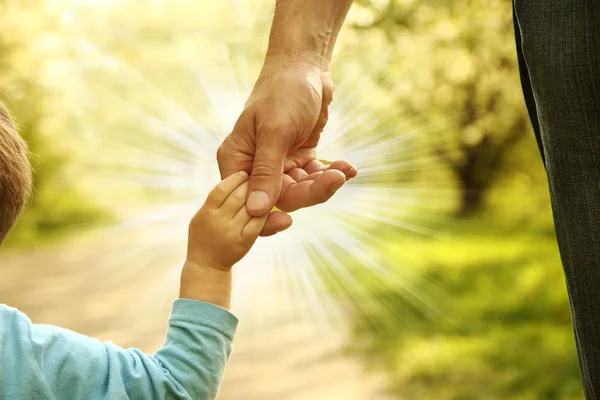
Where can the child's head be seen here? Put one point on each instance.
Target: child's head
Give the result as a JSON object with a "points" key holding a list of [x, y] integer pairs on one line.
{"points": [[15, 173]]}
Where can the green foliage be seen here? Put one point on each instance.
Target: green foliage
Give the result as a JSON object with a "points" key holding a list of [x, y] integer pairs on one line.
{"points": [[57, 203], [485, 314], [451, 66], [495, 323]]}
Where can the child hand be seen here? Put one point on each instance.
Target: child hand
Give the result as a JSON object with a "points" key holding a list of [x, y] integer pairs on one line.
{"points": [[222, 231]]}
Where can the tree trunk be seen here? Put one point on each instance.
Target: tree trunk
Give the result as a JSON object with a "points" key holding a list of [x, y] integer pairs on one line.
{"points": [[471, 199], [473, 180]]}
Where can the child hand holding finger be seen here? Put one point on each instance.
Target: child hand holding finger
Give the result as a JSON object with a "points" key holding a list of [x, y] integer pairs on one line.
{"points": [[220, 234]]}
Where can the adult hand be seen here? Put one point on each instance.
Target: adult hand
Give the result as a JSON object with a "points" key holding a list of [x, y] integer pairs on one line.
{"points": [[275, 140]]}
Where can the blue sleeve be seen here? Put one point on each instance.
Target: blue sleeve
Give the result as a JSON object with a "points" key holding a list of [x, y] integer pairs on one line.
{"points": [[46, 362]]}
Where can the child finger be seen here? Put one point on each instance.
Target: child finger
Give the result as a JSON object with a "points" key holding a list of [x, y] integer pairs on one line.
{"points": [[219, 194], [235, 201], [242, 217], [254, 227]]}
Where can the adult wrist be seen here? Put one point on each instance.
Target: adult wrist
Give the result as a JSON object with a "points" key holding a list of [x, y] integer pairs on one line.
{"points": [[278, 58]]}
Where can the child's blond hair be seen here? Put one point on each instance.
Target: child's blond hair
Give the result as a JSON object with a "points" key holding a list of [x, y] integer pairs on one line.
{"points": [[15, 173]]}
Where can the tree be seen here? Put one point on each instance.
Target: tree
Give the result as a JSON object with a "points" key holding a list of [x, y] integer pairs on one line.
{"points": [[457, 60]]}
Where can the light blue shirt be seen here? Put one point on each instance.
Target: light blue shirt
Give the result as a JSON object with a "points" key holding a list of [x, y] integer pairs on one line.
{"points": [[47, 362]]}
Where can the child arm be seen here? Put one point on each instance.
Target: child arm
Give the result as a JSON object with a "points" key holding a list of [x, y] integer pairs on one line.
{"points": [[46, 362]]}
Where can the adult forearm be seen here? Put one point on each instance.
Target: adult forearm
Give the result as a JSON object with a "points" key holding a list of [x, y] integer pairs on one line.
{"points": [[307, 30]]}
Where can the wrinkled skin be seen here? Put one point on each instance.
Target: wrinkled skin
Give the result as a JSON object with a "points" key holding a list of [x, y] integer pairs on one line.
{"points": [[275, 140]]}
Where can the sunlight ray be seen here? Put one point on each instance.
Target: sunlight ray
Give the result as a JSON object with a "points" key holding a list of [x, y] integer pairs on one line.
{"points": [[321, 266]]}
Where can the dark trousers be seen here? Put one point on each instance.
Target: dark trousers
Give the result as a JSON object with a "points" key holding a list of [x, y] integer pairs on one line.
{"points": [[558, 46]]}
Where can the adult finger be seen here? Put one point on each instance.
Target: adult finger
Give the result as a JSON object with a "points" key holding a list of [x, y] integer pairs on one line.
{"points": [[341, 165], [314, 166], [277, 222], [265, 180], [219, 193], [345, 166], [297, 174], [309, 193], [312, 176]]}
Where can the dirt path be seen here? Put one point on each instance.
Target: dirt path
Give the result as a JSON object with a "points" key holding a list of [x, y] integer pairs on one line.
{"points": [[98, 285]]}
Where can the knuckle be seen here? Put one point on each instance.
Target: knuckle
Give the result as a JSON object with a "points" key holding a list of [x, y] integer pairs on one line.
{"points": [[218, 191], [225, 146], [197, 219], [263, 168], [236, 141], [238, 197], [253, 230], [221, 153], [249, 236], [256, 231]]}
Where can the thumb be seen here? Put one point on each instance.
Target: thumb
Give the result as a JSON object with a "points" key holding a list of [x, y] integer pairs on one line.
{"points": [[232, 160], [265, 179]]}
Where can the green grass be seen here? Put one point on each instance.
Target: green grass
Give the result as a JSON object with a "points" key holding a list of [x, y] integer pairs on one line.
{"points": [[482, 315]]}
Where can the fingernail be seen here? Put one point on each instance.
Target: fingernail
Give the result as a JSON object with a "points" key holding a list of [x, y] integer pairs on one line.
{"points": [[243, 173], [258, 200]]}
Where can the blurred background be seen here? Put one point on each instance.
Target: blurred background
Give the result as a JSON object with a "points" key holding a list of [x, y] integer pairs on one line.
{"points": [[433, 275]]}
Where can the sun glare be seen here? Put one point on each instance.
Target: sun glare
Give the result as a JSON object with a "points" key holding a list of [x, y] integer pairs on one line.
{"points": [[159, 132]]}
